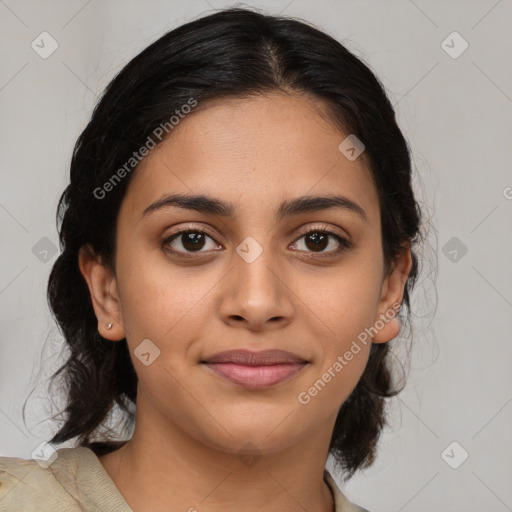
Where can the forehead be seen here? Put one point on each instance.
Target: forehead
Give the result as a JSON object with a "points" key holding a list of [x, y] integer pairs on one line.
{"points": [[254, 152]]}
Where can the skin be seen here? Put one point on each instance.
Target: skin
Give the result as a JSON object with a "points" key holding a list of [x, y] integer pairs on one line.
{"points": [[191, 424]]}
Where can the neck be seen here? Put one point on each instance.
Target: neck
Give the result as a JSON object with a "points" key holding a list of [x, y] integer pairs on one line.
{"points": [[163, 467]]}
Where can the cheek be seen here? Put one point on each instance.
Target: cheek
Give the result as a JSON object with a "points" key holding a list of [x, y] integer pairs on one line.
{"points": [[342, 304], [341, 316], [154, 296], [168, 305], [336, 379]]}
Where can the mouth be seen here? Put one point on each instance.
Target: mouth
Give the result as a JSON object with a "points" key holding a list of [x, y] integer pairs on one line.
{"points": [[255, 370]]}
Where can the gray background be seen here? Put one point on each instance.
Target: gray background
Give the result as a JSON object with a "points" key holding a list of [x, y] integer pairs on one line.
{"points": [[456, 114]]}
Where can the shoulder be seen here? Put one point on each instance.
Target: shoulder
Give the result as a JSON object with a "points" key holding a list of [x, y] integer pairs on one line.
{"points": [[70, 480], [27, 485], [341, 502]]}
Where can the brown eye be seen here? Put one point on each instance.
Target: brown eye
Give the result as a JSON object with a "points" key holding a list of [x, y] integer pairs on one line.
{"points": [[188, 241], [318, 240], [192, 241]]}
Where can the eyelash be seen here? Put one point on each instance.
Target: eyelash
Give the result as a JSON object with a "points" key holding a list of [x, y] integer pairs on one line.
{"points": [[344, 243]]}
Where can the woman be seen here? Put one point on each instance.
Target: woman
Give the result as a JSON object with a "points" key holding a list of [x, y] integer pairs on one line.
{"points": [[238, 240]]}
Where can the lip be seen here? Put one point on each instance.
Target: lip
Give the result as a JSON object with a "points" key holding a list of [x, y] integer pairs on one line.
{"points": [[250, 358], [255, 370]]}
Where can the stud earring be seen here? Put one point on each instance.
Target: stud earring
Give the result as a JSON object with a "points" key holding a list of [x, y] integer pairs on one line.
{"points": [[109, 326]]}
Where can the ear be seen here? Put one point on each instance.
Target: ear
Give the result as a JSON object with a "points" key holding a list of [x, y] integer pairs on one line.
{"points": [[104, 294], [392, 292]]}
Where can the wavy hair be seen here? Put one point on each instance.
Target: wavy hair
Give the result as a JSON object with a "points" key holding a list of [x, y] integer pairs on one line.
{"points": [[234, 53]]}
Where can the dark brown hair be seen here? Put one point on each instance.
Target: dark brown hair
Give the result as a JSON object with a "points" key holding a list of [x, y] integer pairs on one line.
{"points": [[234, 53]]}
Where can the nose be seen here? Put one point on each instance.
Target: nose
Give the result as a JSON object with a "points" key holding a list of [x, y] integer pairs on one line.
{"points": [[256, 295]]}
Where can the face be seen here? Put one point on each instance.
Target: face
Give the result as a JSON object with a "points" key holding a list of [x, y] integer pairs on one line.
{"points": [[307, 281]]}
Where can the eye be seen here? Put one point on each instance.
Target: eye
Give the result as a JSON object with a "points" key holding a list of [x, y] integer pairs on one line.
{"points": [[191, 240], [317, 240]]}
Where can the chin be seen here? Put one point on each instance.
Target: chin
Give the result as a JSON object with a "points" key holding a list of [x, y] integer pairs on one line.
{"points": [[255, 433]]}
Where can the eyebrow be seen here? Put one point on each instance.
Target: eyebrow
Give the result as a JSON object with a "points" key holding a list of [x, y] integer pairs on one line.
{"points": [[303, 204]]}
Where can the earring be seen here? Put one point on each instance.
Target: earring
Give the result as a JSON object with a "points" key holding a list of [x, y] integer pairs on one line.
{"points": [[109, 326]]}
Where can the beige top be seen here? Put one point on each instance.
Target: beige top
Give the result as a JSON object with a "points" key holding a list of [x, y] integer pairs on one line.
{"points": [[77, 481]]}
